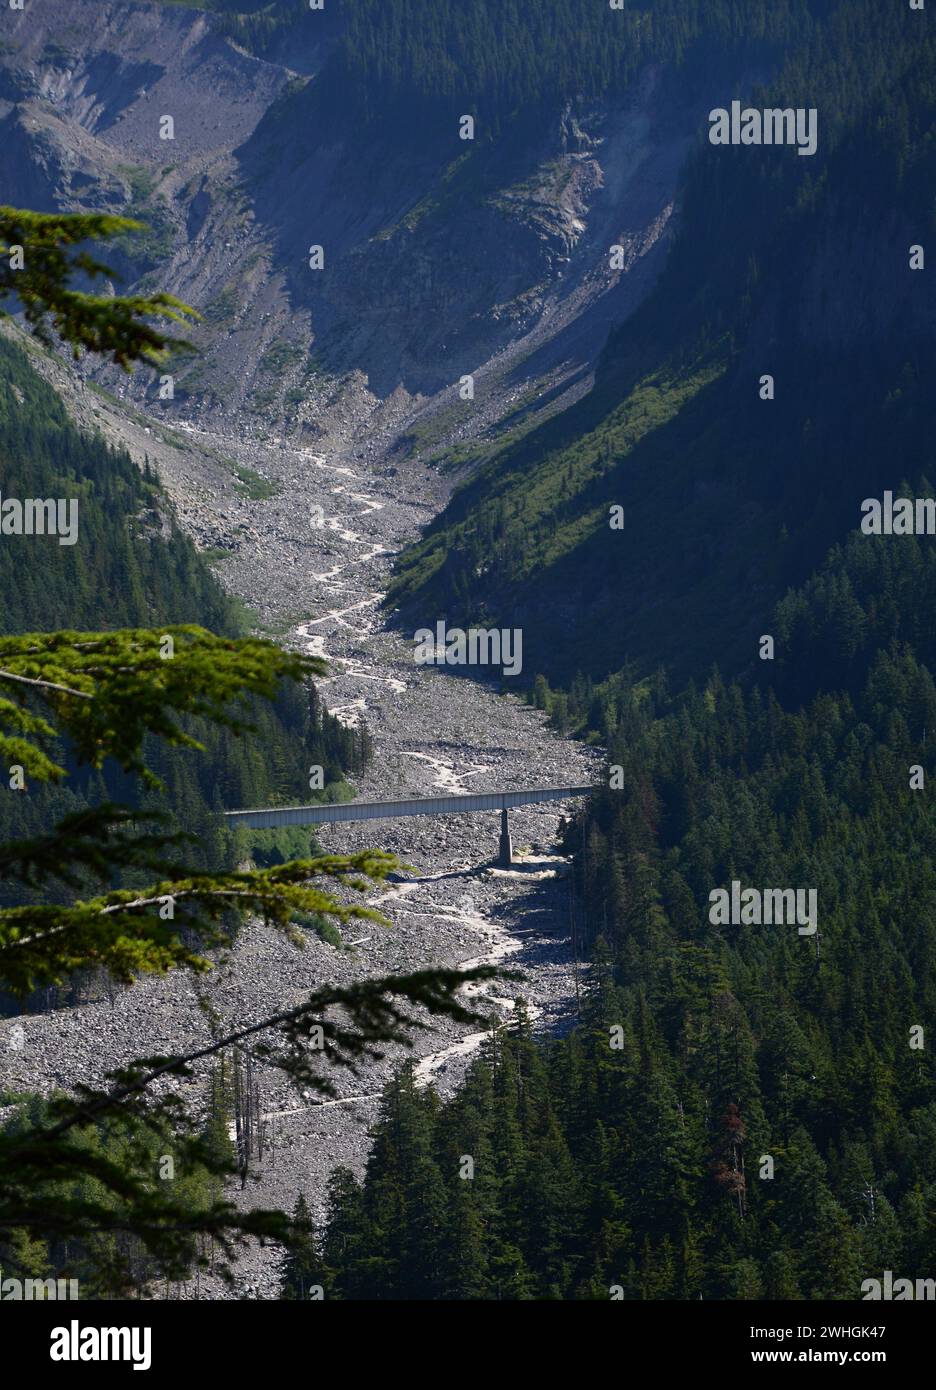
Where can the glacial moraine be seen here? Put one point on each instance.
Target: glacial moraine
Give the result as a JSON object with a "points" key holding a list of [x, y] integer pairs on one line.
{"points": [[319, 587]]}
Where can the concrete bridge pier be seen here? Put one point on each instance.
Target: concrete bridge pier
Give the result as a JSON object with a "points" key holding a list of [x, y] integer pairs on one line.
{"points": [[506, 848]]}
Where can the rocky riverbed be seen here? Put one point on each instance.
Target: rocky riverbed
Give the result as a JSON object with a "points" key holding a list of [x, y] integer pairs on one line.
{"points": [[312, 561]]}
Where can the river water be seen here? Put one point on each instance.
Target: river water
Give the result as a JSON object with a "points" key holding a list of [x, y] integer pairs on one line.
{"points": [[313, 563]]}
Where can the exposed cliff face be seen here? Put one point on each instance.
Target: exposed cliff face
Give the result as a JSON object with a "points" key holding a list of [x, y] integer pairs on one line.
{"points": [[488, 259], [777, 377], [112, 70], [432, 271]]}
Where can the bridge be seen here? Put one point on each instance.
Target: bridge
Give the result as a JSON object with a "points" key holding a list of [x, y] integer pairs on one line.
{"points": [[461, 804]]}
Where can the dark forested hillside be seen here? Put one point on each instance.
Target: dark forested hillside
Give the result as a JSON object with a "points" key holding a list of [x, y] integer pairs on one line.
{"points": [[131, 566], [793, 268], [744, 1112], [428, 60], [419, 64], [722, 1088], [274, 28]]}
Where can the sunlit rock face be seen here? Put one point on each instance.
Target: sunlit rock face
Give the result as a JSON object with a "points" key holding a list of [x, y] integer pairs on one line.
{"points": [[506, 260]]}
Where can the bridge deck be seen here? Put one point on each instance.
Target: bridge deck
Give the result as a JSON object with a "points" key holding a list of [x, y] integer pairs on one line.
{"points": [[390, 810]]}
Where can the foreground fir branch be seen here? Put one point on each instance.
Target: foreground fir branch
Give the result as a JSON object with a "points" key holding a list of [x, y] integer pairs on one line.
{"points": [[37, 265], [40, 1164], [107, 690], [103, 696]]}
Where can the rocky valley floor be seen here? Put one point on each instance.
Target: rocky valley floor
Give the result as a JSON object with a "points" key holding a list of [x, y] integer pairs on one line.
{"points": [[312, 562]]}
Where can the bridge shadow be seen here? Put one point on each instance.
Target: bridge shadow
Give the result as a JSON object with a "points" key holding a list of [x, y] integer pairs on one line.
{"points": [[542, 924]]}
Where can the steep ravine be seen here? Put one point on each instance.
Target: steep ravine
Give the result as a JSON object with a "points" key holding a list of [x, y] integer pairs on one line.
{"points": [[505, 273], [319, 587]]}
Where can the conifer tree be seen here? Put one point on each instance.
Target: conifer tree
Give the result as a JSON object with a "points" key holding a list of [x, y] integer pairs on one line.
{"points": [[113, 698]]}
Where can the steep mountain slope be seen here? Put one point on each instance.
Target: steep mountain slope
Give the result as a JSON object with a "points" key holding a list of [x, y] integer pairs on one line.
{"points": [[796, 268], [760, 1127], [632, 1168], [128, 564], [442, 256]]}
